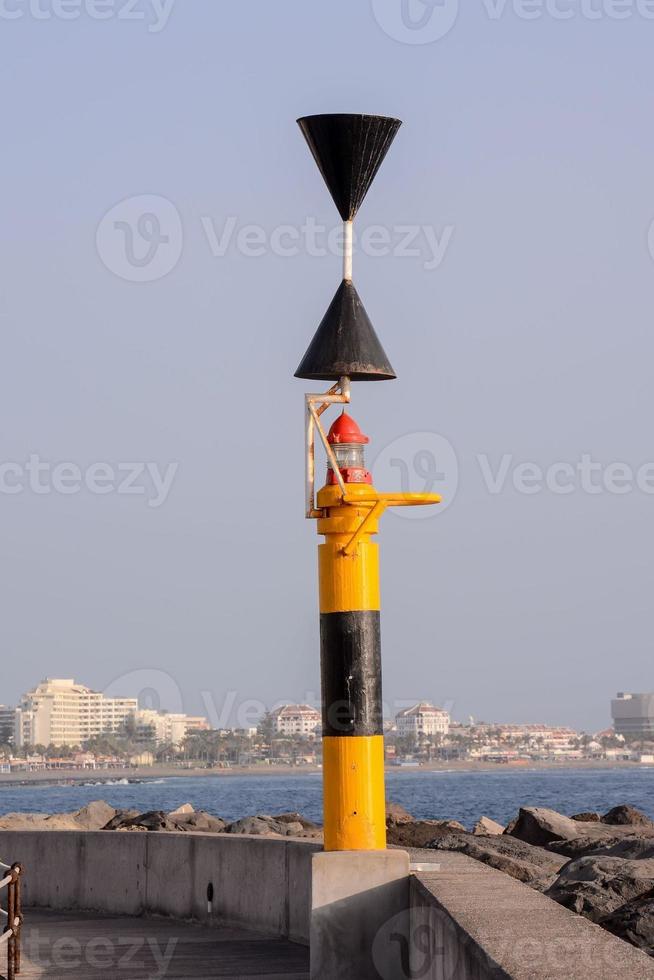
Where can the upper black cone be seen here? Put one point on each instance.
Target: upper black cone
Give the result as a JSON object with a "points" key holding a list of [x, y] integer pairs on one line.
{"points": [[349, 150], [345, 344]]}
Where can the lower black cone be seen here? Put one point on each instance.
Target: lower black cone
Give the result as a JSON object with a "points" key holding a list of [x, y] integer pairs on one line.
{"points": [[345, 344]]}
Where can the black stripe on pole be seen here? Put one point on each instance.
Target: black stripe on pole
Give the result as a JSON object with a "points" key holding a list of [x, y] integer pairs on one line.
{"points": [[350, 662]]}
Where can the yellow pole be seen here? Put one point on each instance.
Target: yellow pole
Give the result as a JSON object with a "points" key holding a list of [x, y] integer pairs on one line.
{"points": [[353, 741]]}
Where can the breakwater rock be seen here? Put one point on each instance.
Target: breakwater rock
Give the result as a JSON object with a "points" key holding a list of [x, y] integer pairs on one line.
{"points": [[599, 866], [101, 816]]}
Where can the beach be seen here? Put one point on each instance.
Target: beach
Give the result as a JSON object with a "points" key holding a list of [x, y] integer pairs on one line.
{"points": [[54, 776]]}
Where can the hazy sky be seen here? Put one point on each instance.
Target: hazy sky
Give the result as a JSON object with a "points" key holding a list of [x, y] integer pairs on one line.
{"points": [[166, 333]]}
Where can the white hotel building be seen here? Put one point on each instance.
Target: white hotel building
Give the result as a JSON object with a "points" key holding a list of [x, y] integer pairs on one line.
{"points": [[296, 719], [422, 719], [165, 728], [61, 712]]}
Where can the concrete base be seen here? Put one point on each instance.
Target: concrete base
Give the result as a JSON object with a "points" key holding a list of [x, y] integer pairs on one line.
{"points": [[259, 882], [354, 896]]}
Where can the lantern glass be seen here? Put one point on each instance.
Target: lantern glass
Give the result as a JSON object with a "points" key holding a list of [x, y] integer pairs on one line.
{"points": [[349, 456]]}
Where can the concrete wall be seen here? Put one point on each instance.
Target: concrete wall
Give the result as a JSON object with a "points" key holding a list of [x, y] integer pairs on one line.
{"points": [[263, 883], [355, 894], [470, 922], [464, 921]]}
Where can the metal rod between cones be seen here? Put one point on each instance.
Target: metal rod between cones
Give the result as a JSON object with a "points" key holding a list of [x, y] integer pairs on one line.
{"points": [[347, 250]]}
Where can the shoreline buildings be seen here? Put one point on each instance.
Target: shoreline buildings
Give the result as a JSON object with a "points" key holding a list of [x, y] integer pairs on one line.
{"points": [[296, 719], [167, 729], [7, 723], [63, 712], [422, 719], [633, 714]]}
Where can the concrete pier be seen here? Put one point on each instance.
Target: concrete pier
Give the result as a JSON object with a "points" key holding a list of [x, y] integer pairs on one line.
{"points": [[84, 946], [364, 914]]}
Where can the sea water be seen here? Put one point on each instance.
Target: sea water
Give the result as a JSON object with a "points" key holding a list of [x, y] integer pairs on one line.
{"points": [[463, 796]]}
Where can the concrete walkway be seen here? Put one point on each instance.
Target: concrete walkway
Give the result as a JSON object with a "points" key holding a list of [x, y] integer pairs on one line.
{"points": [[86, 947]]}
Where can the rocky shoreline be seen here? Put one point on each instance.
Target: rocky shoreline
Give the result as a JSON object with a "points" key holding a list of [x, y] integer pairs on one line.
{"points": [[600, 866], [597, 865]]}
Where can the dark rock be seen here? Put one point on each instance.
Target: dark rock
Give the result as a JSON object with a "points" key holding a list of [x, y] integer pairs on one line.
{"points": [[295, 825], [199, 822], [587, 817], [154, 820], [511, 826], [296, 818], [182, 820], [294, 829], [260, 826], [597, 886], [396, 814], [121, 817], [525, 862], [537, 825], [420, 833], [631, 846], [626, 815], [634, 922], [581, 846]]}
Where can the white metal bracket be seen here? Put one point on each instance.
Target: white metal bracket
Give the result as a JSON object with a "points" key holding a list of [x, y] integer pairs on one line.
{"points": [[315, 405]]}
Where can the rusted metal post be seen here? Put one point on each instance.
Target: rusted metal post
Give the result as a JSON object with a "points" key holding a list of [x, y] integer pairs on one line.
{"points": [[11, 914], [19, 915]]}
